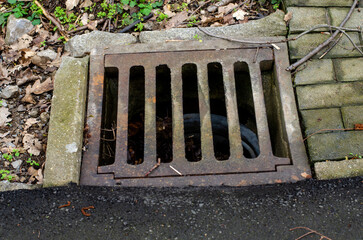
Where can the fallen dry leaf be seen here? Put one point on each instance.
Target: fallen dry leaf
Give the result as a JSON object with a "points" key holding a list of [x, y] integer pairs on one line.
{"points": [[30, 122], [176, 20], [2, 135], [23, 42], [167, 11], [2, 43], [84, 19], [86, 3], [288, 17], [28, 98], [40, 61], [26, 76], [4, 73], [70, 4], [227, 8], [358, 126], [4, 113], [32, 144], [39, 88], [240, 14]]}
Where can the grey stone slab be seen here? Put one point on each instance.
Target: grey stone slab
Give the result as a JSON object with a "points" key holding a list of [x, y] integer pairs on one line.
{"points": [[339, 169], [83, 44], [352, 115], [335, 145], [9, 186], [316, 71], [309, 42], [319, 3], [272, 25], [315, 16], [349, 69], [330, 95], [64, 147], [16, 28], [315, 120], [338, 14]]}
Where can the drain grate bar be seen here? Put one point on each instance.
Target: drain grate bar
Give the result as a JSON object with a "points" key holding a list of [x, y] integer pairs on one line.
{"points": [[122, 172]]}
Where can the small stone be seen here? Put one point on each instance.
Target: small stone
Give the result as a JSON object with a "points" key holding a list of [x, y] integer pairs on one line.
{"points": [[202, 12], [48, 54], [9, 92], [21, 108], [16, 164], [34, 112], [44, 117], [91, 17], [17, 28]]}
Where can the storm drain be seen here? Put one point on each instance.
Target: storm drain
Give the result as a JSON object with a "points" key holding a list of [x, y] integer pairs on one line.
{"points": [[190, 113]]}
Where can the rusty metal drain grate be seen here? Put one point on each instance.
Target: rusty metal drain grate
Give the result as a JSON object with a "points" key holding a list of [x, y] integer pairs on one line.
{"points": [[267, 107]]}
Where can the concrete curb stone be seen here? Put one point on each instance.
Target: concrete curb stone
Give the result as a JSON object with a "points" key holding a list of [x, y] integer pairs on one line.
{"points": [[352, 115], [315, 72], [319, 3], [349, 69], [9, 186], [307, 43], [66, 124], [299, 22], [339, 169], [314, 120], [330, 95], [335, 145], [338, 14]]}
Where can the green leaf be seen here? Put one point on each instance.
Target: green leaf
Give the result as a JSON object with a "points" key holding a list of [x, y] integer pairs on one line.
{"points": [[12, 1], [18, 14], [132, 3], [125, 2], [159, 4], [145, 11]]}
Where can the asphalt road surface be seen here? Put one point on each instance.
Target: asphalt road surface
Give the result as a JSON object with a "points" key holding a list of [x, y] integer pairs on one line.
{"points": [[332, 208]]}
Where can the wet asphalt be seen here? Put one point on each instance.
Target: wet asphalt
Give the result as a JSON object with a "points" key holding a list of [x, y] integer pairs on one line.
{"points": [[333, 208]]}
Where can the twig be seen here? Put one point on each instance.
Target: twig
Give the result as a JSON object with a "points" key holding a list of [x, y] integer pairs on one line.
{"points": [[176, 171], [310, 232], [86, 26], [324, 44], [329, 130], [332, 46], [153, 168], [240, 5], [53, 20], [199, 8], [136, 22]]}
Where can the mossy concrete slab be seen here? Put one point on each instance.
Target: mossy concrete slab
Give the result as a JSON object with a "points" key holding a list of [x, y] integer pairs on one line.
{"points": [[319, 3], [338, 15], [335, 145], [272, 25], [315, 120], [315, 72], [349, 69], [339, 169], [330, 95], [64, 148], [352, 115], [9, 186], [309, 42], [83, 44], [315, 16]]}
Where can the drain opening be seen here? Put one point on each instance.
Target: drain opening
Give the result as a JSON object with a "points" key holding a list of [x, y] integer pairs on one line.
{"points": [[136, 109], [164, 133], [193, 152], [218, 109], [274, 112], [109, 117], [246, 110]]}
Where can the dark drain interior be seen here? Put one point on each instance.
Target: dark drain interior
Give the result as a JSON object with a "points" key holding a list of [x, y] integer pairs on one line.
{"points": [[192, 132]]}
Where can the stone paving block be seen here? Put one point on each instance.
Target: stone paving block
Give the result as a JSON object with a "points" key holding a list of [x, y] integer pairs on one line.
{"points": [[315, 120], [338, 14], [304, 18], [272, 25], [319, 3], [330, 95], [352, 115], [349, 69], [339, 169], [64, 149], [307, 43], [12, 186], [335, 145], [316, 71]]}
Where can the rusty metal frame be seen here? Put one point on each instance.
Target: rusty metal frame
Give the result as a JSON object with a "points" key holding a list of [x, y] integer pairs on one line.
{"points": [[238, 170]]}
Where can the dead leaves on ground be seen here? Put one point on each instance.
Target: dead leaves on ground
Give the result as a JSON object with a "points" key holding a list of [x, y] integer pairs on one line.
{"points": [[37, 88], [4, 113]]}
